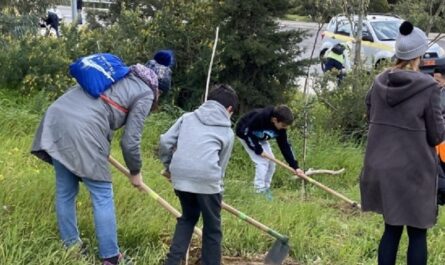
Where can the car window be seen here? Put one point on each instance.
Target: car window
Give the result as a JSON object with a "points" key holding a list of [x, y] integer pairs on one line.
{"points": [[365, 30], [343, 28], [331, 26], [386, 30]]}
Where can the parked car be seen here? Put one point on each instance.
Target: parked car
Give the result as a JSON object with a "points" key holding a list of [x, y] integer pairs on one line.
{"points": [[378, 38], [428, 66]]}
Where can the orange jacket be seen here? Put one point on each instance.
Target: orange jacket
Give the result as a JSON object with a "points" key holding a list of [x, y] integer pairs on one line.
{"points": [[440, 149]]}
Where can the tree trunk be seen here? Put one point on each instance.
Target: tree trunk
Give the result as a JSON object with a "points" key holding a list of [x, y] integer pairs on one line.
{"points": [[434, 16], [358, 36]]}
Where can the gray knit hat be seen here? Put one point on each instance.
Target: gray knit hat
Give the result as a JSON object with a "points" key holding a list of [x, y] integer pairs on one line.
{"points": [[411, 42]]}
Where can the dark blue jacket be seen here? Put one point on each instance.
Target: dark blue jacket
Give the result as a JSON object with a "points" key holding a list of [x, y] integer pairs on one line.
{"points": [[331, 63], [256, 126]]}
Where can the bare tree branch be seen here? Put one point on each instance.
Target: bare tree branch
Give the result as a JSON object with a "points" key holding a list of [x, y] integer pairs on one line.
{"points": [[433, 17], [312, 171]]}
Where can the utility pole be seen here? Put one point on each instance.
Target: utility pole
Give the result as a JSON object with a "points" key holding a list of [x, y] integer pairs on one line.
{"points": [[74, 12]]}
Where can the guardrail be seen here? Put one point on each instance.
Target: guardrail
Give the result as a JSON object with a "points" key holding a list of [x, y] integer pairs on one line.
{"points": [[97, 3]]}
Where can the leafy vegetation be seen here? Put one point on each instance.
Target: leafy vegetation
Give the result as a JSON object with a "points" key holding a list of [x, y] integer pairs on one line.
{"points": [[252, 54], [258, 60], [322, 229]]}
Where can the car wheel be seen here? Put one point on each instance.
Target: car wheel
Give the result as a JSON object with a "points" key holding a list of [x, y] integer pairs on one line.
{"points": [[322, 58], [380, 62]]}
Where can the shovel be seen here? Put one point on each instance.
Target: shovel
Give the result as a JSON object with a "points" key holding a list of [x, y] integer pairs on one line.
{"points": [[152, 194], [316, 183], [280, 249]]}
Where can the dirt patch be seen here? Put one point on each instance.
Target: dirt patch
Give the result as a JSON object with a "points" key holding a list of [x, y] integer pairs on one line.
{"points": [[195, 254], [345, 208]]}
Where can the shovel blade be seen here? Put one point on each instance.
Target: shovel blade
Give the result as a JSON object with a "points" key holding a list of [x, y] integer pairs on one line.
{"points": [[277, 254]]}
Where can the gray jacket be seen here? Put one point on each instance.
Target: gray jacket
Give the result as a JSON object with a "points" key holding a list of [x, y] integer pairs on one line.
{"points": [[400, 169], [77, 129], [197, 148]]}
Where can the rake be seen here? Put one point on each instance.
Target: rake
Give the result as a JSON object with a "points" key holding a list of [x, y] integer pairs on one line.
{"points": [[155, 196], [316, 183]]}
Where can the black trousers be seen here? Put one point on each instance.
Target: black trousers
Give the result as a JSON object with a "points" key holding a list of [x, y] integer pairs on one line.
{"points": [[194, 204], [389, 244]]}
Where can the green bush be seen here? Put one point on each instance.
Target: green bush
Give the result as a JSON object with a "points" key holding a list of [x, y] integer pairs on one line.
{"points": [[31, 63], [35, 63], [344, 103], [378, 6], [421, 14], [252, 54]]}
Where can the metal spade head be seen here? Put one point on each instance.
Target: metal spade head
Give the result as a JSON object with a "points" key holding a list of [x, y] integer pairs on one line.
{"points": [[277, 254]]}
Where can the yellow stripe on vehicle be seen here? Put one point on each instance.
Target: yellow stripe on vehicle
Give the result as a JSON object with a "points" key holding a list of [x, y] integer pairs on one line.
{"points": [[344, 38]]}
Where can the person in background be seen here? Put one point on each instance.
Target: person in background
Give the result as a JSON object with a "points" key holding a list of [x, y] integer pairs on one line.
{"points": [[336, 60], [400, 168], [439, 76], [79, 12], [75, 136], [52, 21]]}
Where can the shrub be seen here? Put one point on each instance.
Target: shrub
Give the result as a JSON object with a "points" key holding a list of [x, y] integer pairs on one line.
{"points": [[35, 63], [345, 103]]}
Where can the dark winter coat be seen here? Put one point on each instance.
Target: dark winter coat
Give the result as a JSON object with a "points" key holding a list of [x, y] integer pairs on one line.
{"points": [[399, 177]]}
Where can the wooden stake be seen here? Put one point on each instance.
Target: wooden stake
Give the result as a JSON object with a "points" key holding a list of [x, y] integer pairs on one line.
{"points": [[211, 63]]}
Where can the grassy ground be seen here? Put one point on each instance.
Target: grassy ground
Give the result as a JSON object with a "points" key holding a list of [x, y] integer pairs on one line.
{"points": [[297, 18], [322, 229]]}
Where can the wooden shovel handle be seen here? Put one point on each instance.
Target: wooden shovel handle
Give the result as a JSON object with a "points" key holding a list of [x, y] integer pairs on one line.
{"points": [[316, 183], [152, 193], [248, 219], [254, 222]]}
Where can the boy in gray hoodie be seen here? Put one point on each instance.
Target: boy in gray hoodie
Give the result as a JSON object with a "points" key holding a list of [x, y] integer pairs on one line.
{"points": [[195, 152]]}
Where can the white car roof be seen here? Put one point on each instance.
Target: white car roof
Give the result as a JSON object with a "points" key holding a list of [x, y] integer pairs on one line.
{"points": [[370, 18]]}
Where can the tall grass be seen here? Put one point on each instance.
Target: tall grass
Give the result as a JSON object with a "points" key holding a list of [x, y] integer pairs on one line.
{"points": [[322, 229]]}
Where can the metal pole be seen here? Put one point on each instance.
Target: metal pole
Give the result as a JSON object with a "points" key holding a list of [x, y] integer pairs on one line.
{"points": [[74, 12]]}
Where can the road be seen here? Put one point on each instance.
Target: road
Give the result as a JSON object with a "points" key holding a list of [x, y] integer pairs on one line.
{"points": [[308, 42], [66, 14]]}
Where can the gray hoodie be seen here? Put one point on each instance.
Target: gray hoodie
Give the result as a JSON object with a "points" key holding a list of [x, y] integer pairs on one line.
{"points": [[197, 148]]}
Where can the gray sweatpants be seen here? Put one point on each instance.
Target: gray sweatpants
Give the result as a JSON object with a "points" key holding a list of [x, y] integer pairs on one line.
{"points": [[264, 168]]}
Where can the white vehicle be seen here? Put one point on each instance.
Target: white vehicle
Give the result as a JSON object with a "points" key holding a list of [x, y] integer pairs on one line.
{"points": [[378, 38]]}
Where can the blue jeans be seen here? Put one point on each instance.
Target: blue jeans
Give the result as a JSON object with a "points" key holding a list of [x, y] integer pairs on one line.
{"points": [[101, 193]]}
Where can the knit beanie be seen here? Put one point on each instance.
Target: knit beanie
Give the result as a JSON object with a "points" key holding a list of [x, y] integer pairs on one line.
{"points": [[161, 64], [165, 57], [411, 42], [164, 74]]}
